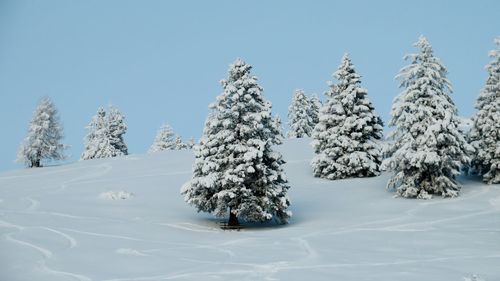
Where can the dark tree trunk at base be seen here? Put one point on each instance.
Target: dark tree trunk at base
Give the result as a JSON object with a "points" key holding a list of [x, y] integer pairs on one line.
{"points": [[233, 220], [35, 163]]}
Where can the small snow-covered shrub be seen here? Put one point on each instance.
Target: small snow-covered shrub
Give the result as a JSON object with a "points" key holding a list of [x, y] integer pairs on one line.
{"points": [[116, 195]]}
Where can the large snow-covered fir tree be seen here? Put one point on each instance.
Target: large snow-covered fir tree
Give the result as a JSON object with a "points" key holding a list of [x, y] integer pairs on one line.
{"points": [[428, 148], [485, 133], [105, 135], [346, 137], [315, 105], [43, 141], [300, 121], [236, 170], [164, 139]]}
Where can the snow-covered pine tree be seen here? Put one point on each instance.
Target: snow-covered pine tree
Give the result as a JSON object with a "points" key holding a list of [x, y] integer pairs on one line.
{"points": [[300, 122], [117, 128], [236, 170], [485, 133], [315, 105], [428, 147], [43, 141], [96, 140], [346, 137], [179, 144], [105, 135], [164, 139]]}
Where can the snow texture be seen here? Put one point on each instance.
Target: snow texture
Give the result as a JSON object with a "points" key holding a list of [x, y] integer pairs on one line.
{"points": [[485, 133], [428, 147], [346, 137], [236, 169], [53, 227], [43, 141], [105, 135]]}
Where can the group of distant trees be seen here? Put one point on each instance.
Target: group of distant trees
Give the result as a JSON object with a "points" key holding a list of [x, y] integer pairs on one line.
{"points": [[104, 139], [427, 148], [237, 171]]}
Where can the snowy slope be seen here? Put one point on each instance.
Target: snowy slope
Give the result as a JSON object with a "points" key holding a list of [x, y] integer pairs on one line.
{"points": [[71, 223]]}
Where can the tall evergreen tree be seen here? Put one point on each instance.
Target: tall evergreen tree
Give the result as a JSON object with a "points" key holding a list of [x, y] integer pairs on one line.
{"points": [[164, 139], [236, 170], [117, 128], [428, 147], [96, 140], [346, 137], [105, 135], [485, 133], [300, 122], [315, 105], [43, 141]]}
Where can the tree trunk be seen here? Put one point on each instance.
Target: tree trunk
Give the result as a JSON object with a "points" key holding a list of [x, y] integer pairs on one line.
{"points": [[35, 163], [233, 219]]}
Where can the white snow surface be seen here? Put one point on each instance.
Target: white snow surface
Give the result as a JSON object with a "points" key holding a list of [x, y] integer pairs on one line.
{"points": [[54, 226]]}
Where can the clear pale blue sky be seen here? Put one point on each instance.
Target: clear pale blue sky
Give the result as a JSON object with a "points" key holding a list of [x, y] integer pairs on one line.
{"points": [[161, 61]]}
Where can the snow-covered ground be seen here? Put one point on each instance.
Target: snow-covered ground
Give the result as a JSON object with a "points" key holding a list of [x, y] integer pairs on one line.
{"points": [[124, 219]]}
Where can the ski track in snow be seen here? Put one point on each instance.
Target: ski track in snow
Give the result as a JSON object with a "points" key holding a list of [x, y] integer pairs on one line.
{"points": [[71, 241], [45, 252], [130, 252], [102, 170], [42, 174], [43, 267], [32, 210], [136, 177], [190, 227], [10, 225], [33, 204], [113, 236]]}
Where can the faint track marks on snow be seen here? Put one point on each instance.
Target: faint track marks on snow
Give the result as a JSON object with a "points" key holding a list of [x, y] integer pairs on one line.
{"points": [[45, 252], [105, 235], [71, 241], [102, 170], [190, 227], [130, 252], [33, 204], [75, 276], [10, 225]]}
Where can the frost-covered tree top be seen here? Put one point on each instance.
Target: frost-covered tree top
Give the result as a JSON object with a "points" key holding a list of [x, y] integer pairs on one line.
{"points": [[164, 139], [43, 141], [300, 122], [428, 148], [346, 137], [179, 144], [236, 170], [105, 135], [485, 132], [191, 143]]}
